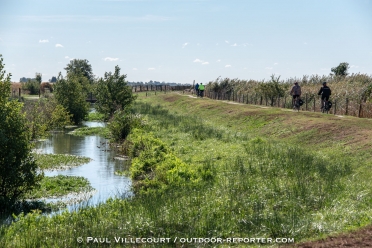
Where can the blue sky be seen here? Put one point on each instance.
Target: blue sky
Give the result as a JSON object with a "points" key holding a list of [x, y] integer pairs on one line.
{"points": [[181, 41]]}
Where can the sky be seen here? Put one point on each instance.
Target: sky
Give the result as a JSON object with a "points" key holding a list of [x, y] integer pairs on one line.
{"points": [[185, 40]]}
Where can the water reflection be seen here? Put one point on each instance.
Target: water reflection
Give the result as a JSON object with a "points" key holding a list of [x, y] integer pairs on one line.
{"points": [[100, 171]]}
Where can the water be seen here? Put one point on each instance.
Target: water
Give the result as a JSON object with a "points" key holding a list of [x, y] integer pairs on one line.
{"points": [[100, 171]]}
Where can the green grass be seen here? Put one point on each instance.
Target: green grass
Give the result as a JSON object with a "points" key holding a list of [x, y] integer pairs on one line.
{"points": [[60, 185], [266, 179], [59, 161], [86, 131], [95, 116]]}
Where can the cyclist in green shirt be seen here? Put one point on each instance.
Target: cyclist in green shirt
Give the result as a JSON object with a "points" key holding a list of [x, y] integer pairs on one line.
{"points": [[201, 89]]}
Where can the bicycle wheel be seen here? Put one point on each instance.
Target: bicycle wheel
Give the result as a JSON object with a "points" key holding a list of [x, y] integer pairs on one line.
{"points": [[324, 108]]}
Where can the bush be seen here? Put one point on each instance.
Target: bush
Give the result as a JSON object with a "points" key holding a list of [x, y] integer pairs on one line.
{"points": [[70, 94], [113, 93], [18, 170], [122, 122], [32, 87], [156, 167]]}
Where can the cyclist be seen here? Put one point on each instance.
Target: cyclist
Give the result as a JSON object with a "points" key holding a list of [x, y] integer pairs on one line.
{"points": [[197, 89], [325, 91], [201, 89], [296, 93]]}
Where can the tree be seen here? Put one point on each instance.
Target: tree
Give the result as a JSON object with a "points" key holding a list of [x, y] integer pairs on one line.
{"points": [[70, 94], [38, 77], [32, 86], [53, 80], [44, 115], [18, 170], [341, 69], [80, 66], [272, 89], [113, 93]]}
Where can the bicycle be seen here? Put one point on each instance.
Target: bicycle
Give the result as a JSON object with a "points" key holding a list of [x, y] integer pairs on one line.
{"points": [[326, 106], [297, 102]]}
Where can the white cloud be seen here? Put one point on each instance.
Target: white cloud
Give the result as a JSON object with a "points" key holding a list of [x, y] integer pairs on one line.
{"points": [[134, 69], [59, 45], [218, 60], [205, 63], [198, 61], [110, 59], [43, 41], [227, 66], [227, 41], [185, 44], [235, 44], [276, 63], [354, 66], [305, 43], [268, 68], [151, 69], [325, 69], [67, 57], [216, 44]]}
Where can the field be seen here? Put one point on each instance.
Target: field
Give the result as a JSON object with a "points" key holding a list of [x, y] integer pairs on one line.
{"points": [[241, 171]]}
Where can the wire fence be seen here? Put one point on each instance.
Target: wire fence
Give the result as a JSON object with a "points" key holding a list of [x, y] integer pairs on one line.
{"points": [[311, 102]]}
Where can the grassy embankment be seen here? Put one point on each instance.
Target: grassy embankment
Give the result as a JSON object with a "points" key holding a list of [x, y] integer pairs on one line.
{"points": [[271, 173]]}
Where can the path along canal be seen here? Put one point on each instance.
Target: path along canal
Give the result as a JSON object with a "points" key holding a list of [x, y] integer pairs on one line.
{"points": [[100, 171]]}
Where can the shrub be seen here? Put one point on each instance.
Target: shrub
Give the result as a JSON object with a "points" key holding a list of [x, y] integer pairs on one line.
{"points": [[122, 122], [155, 166], [18, 170]]}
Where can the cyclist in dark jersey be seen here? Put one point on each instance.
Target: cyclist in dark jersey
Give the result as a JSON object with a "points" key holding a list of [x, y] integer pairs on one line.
{"points": [[325, 91], [295, 92]]}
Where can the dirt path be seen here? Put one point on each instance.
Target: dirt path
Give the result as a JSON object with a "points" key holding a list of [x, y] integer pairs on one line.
{"points": [[360, 238]]}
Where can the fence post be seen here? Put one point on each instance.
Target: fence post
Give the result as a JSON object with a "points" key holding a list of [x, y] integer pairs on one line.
{"points": [[347, 106], [314, 103], [335, 107], [306, 101], [360, 109], [261, 100]]}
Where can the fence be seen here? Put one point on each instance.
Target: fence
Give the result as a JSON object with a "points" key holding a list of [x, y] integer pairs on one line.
{"points": [[312, 102], [141, 88]]}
